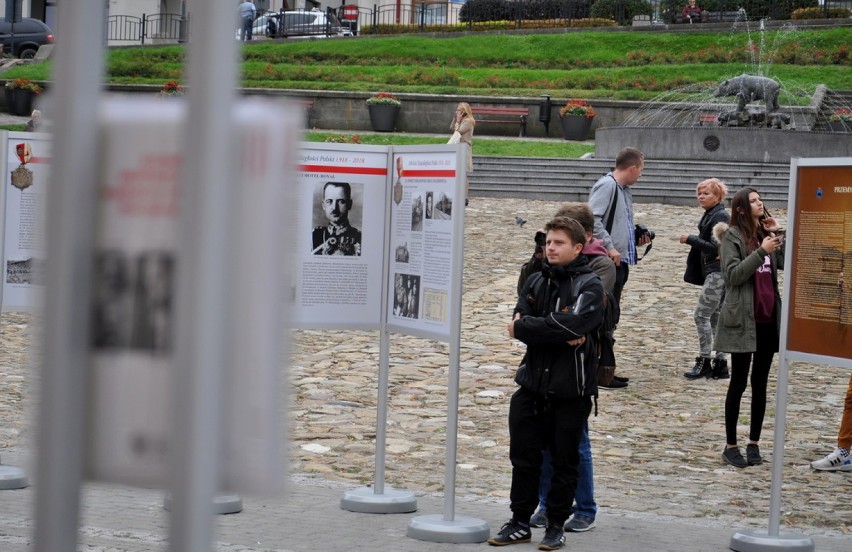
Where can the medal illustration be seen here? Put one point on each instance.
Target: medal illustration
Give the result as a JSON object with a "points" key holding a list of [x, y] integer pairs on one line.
{"points": [[22, 177]]}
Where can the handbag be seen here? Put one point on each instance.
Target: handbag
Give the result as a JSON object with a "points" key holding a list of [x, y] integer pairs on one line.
{"points": [[455, 138], [694, 273]]}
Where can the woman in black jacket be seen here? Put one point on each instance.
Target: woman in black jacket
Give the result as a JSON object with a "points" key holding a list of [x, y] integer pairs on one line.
{"points": [[711, 195]]}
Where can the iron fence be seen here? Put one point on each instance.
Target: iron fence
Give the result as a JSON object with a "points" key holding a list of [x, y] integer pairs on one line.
{"points": [[165, 27], [451, 15]]}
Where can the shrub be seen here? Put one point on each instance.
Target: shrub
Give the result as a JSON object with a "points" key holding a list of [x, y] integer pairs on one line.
{"points": [[511, 10], [606, 9], [24, 84], [821, 13]]}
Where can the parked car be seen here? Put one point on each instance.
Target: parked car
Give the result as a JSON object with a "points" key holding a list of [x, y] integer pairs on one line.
{"points": [[22, 38], [309, 23]]}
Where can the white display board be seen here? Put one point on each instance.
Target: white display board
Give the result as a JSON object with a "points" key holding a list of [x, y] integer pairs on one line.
{"points": [[134, 336], [427, 203], [340, 243], [26, 164], [375, 218]]}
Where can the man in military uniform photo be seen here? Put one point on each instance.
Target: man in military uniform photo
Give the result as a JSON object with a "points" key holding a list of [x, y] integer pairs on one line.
{"points": [[338, 237]]}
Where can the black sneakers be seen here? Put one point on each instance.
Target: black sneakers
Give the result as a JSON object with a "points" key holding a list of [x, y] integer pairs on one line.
{"points": [[512, 532], [554, 537], [734, 457], [753, 456]]}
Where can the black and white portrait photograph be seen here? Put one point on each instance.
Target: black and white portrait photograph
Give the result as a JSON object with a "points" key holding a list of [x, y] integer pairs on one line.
{"points": [[338, 212], [406, 295], [402, 253], [429, 204]]}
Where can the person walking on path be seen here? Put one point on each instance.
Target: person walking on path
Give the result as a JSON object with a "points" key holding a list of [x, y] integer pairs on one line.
{"points": [[556, 316], [749, 323], [840, 459], [711, 194], [585, 508], [612, 204], [464, 123], [247, 14]]}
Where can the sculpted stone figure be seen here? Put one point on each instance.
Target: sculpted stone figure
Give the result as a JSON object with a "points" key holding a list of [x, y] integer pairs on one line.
{"points": [[748, 88]]}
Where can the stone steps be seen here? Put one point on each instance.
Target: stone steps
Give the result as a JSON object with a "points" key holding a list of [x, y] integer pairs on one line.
{"points": [[663, 181]]}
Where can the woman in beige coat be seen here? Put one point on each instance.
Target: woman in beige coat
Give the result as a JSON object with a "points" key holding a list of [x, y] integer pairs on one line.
{"points": [[463, 123]]}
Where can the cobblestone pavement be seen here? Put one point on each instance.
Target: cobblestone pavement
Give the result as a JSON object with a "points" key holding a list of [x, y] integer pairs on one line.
{"points": [[657, 444]]}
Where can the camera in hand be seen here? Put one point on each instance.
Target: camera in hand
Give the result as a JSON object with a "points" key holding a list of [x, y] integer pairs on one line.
{"points": [[640, 231]]}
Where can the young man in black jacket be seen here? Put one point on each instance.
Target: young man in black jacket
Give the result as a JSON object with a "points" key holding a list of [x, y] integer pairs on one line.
{"points": [[557, 314]]}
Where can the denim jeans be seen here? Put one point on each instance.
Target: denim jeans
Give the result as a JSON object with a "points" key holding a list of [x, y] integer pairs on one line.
{"points": [[584, 500]]}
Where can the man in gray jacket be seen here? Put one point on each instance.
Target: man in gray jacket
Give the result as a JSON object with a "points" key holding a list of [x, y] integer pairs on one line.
{"points": [[612, 204], [247, 14]]}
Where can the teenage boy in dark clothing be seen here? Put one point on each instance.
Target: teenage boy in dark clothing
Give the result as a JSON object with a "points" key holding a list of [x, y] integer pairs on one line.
{"points": [[557, 312]]}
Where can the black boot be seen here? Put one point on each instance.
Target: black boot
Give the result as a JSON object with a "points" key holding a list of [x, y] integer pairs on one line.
{"points": [[701, 369], [720, 369]]}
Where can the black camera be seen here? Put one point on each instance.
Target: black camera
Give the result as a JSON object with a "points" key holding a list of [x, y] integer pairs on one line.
{"points": [[540, 238], [640, 231]]}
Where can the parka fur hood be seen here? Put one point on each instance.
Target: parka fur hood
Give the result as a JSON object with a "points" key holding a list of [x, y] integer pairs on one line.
{"points": [[719, 231]]}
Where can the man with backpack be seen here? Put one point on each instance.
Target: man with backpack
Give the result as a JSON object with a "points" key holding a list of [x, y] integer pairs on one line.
{"points": [[557, 317], [612, 204], [585, 508]]}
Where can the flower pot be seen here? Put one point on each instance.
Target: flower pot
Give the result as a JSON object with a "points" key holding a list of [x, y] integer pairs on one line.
{"points": [[839, 126], [20, 102], [383, 117], [575, 127]]}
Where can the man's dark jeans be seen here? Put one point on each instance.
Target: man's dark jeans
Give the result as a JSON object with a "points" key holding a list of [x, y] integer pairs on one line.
{"points": [[535, 424]]}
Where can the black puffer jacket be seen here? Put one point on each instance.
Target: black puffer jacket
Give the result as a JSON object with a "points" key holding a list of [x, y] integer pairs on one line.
{"points": [[559, 304], [704, 240]]}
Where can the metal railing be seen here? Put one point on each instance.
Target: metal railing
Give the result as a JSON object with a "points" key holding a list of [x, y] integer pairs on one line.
{"points": [[474, 15], [163, 27]]}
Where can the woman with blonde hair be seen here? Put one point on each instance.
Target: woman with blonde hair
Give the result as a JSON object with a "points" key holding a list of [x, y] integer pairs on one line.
{"points": [[703, 269], [463, 123]]}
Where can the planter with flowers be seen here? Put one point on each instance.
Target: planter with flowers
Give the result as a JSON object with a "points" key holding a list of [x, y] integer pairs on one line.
{"points": [[20, 94], [840, 121], [384, 109], [171, 88], [576, 118]]}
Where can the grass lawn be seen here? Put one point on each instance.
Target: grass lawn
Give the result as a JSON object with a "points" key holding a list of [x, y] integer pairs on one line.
{"points": [[481, 146], [586, 64]]}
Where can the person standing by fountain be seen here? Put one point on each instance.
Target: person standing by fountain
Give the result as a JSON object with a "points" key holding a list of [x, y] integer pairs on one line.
{"points": [[749, 323], [612, 204], [710, 193]]}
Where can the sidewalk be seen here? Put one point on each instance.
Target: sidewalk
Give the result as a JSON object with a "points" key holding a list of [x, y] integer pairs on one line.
{"points": [[308, 518]]}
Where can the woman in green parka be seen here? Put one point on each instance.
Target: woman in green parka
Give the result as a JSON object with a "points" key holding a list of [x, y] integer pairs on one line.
{"points": [[749, 323]]}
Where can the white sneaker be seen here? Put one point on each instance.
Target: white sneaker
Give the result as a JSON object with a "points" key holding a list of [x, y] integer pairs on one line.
{"points": [[836, 461]]}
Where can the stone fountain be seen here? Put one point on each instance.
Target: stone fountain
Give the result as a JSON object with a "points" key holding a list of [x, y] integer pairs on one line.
{"points": [[708, 127]]}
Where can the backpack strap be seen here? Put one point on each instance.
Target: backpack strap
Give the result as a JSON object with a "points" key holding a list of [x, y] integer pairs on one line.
{"points": [[611, 213]]}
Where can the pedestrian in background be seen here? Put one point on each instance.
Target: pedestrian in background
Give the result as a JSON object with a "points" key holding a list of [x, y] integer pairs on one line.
{"points": [[840, 459], [247, 13], [612, 205], [462, 125], [750, 320], [703, 264]]}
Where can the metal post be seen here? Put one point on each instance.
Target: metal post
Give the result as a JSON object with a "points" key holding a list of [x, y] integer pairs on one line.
{"points": [[205, 226], [70, 235]]}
